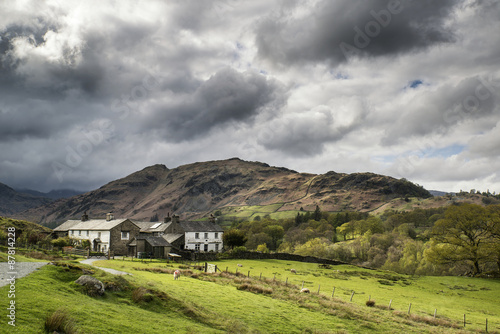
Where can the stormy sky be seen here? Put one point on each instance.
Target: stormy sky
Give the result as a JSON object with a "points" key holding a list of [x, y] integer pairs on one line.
{"points": [[91, 91]]}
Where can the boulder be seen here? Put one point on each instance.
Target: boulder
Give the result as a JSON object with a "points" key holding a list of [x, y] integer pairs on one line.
{"points": [[93, 287]]}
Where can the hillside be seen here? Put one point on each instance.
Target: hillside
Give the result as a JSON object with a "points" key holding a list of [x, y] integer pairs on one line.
{"points": [[12, 201], [53, 194], [262, 297], [198, 189]]}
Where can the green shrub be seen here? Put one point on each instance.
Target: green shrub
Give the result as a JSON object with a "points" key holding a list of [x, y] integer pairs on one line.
{"points": [[59, 321], [142, 294]]}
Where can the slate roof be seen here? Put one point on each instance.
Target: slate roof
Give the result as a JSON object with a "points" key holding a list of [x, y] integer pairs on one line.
{"points": [[154, 241], [201, 226], [170, 237], [147, 226], [92, 224]]}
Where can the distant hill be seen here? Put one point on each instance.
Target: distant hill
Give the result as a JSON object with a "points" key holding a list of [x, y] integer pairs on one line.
{"points": [[198, 189], [12, 201], [438, 192], [22, 226], [53, 194]]}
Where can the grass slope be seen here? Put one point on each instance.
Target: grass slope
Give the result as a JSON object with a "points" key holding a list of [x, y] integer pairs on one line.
{"points": [[451, 296], [229, 303]]}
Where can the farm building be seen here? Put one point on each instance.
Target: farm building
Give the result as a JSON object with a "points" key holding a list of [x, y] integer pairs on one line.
{"points": [[108, 234], [160, 238]]}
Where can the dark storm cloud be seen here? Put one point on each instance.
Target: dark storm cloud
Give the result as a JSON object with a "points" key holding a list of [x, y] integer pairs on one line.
{"points": [[333, 31], [470, 100], [228, 96]]}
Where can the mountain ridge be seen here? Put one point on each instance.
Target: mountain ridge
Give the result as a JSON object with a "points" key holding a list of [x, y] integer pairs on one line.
{"points": [[12, 201], [197, 189]]}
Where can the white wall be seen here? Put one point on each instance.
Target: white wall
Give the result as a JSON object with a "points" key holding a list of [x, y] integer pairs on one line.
{"points": [[105, 236], [211, 241]]}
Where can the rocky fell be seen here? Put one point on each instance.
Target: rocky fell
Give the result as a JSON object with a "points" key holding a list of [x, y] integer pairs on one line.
{"points": [[12, 201], [195, 190]]}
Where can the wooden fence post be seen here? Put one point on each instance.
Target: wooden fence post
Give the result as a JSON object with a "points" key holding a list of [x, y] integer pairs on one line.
{"points": [[409, 309], [464, 319], [486, 325], [286, 282], [435, 311], [319, 286], [248, 274], [333, 292], [302, 285], [352, 295], [390, 303]]}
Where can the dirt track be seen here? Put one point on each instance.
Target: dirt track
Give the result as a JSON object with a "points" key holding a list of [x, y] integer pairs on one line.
{"points": [[21, 269]]}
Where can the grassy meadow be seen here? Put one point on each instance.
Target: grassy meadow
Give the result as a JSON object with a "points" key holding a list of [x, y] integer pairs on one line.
{"points": [[269, 301]]}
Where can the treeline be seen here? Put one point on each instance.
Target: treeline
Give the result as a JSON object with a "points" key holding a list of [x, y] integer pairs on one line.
{"points": [[409, 242]]}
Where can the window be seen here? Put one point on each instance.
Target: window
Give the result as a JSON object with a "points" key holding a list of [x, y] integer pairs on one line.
{"points": [[98, 234], [87, 233], [103, 248], [125, 235], [80, 232], [205, 248], [206, 235], [72, 232], [216, 247], [216, 235], [196, 235], [197, 247]]}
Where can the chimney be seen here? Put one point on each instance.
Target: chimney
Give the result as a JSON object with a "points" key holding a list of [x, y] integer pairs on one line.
{"points": [[212, 219], [109, 216], [175, 219], [167, 218], [85, 217]]}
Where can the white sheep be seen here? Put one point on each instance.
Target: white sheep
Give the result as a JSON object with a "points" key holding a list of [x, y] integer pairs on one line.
{"points": [[240, 265], [177, 274], [305, 290], [293, 271]]}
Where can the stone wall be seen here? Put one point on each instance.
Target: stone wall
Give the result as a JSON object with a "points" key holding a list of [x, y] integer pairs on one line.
{"points": [[116, 244], [283, 256]]}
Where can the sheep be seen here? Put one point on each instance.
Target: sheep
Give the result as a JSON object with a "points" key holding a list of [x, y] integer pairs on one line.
{"points": [[293, 271], [240, 265], [305, 290], [177, 274]]}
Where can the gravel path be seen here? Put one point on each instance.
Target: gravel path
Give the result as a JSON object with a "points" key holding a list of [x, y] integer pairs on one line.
{"points": [[21, 269], [111, 271]]}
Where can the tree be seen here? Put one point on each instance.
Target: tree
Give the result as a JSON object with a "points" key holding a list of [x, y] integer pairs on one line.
{"points": [[462, 236], [314, 247], [276, 233], [234, 238], [345, 229], [262, 248], [254, 240], [317, 214]]}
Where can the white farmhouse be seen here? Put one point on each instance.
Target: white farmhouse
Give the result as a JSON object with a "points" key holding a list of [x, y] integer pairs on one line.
{"points": [[202, 236], [104, 234]]}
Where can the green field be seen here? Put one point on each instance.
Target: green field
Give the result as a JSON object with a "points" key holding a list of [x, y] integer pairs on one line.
{"points": [[250, 212], [224, 303]]}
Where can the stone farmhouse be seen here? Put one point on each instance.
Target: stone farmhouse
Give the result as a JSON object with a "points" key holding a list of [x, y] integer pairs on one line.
{"points": [[161, 238], [144, 239], [104, 234]]}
